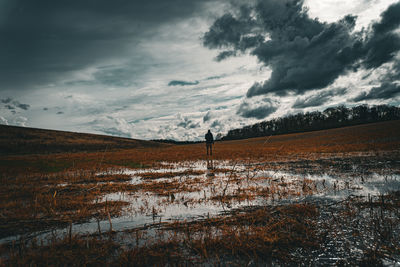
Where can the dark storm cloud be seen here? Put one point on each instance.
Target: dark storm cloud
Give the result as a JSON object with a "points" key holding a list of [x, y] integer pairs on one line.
{"points": [[247, 110], [44, 40], [317, 99], [383, 43], [182, 83], [303, 53], [384, 91]]}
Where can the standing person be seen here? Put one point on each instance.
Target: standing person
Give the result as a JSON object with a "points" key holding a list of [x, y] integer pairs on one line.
{"points": [[209, 141]]}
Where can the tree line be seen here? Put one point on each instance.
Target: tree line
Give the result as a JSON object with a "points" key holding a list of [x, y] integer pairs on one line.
{"points": [[333, 117]]}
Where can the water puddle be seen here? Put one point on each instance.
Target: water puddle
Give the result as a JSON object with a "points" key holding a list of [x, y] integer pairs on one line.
{"points": [[201, 189]]}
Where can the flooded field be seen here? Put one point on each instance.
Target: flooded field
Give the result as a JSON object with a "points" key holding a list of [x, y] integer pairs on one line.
{"points": [[350, 206]]}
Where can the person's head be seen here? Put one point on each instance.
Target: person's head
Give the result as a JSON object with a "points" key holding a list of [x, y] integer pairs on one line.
{"points": [[209, 130]]}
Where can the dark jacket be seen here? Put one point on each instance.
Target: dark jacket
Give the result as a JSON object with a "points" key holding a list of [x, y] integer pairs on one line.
{"points": [[209, 138]]}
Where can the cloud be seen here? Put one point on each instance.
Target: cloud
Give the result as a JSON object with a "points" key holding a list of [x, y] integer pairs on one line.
{"points": [[13, 104], [207, 117], [225, 54], [384, 91], [3, 121], [118, 76], [187, 123], [383, 43], [215, 77], [6, 101], [216, 124], [113, 126], [21, 106], [49, 41], [258, 111], [20, 121], [317, 99], [303, 53], [182, 83]]}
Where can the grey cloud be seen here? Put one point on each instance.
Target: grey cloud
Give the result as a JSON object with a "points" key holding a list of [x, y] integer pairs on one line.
{"points": [[383, 43], [221, 107], [22, 106], [389, 86], [216, 124], [181, 83], [317, 99], [216, 77], [390, 20], [13, 104], [115, 76], [188, 124], [44, 41], [6, 101], [111, 125], [247, 110], [303, 53], [228, 31], [207, 117], [384, 91], [225, 54]]}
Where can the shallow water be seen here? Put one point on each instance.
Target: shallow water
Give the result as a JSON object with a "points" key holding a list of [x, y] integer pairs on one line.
{"points": [[228, 185]]}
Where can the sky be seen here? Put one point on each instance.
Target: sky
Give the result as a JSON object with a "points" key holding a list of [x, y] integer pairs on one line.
{"points": [[172, 69]]}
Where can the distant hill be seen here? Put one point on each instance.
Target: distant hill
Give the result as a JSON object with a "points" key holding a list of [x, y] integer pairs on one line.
{"points": [[334, 117], [23, 140]]}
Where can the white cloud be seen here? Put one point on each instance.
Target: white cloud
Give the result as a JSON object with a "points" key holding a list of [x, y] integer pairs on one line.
{"points": [[20, 121], [333, 10], [3, 121]]}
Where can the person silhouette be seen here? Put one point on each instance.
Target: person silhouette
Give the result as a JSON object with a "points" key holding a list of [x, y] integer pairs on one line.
{"points": [[209, 142]]}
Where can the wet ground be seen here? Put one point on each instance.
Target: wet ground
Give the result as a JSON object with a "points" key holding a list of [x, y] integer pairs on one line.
{"points": [[349, 192]]}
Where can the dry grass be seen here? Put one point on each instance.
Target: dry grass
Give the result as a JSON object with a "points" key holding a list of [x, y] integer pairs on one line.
{"points": [[263, 235]]}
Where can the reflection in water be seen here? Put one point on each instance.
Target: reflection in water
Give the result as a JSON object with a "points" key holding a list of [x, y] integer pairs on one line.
{"points": [[210, 166], [224, 184]]}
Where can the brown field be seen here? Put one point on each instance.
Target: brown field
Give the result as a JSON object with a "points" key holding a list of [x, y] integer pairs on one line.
{"points": [[265, 201], [20, 140]]}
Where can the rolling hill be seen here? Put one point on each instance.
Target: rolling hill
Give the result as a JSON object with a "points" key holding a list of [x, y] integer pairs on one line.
{"points": [[21, 140]]}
